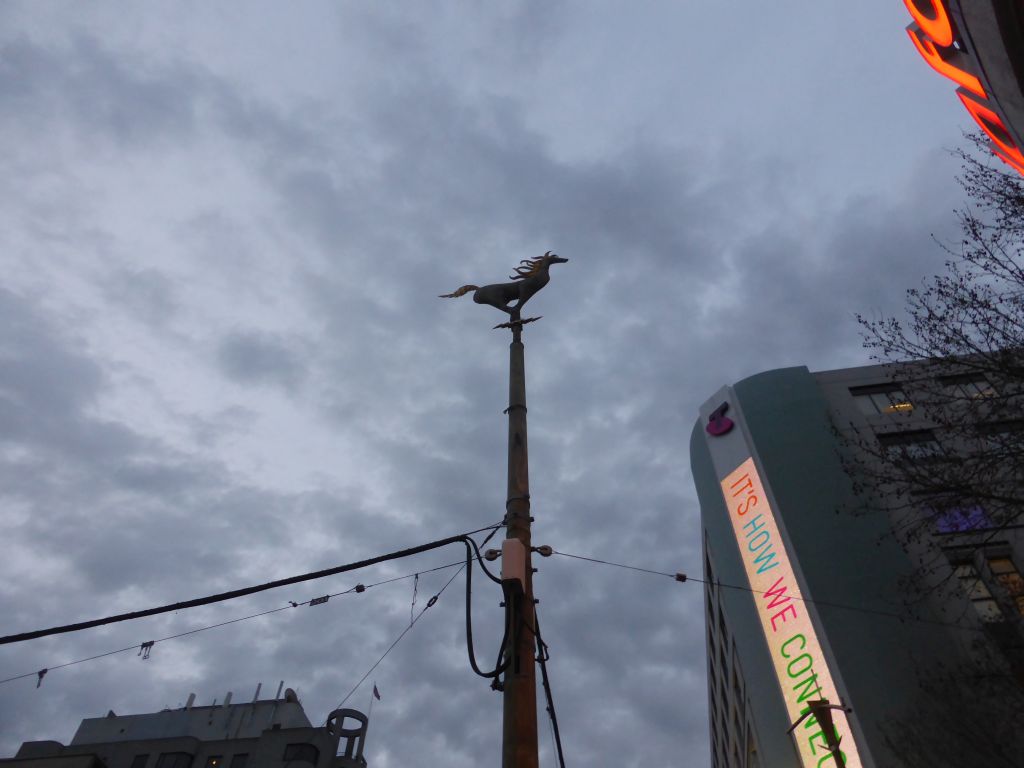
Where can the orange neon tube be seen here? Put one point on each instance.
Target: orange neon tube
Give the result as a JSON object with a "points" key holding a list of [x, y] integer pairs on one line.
{"points": [[937, 26], [993, 127], [931, 54]]}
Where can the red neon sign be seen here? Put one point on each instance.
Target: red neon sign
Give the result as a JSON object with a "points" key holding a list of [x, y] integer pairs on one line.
{"points": [[1003, 148], [935, 24], [933, 36]]}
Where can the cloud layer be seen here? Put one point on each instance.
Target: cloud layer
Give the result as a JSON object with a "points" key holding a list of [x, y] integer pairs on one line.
{"points": [[223, 360]]}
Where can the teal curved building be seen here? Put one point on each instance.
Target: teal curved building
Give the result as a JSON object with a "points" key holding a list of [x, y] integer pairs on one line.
{"points": [[808, 594]]}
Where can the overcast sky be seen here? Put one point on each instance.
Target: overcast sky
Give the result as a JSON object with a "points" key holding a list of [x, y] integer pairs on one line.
{"points": [[222, 360]]}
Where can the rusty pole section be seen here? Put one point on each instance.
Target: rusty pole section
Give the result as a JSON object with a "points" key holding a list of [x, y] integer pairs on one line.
{"points": [[519, 743]]}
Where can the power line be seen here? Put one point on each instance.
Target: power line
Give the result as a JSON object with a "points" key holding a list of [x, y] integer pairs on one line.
{"points": [[825, 603], [617, 565], [468, 566], [430, 604], [222, 596], [235, 621]]}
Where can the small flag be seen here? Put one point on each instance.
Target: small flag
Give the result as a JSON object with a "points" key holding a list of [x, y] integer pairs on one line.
{"points": [[376, 693]]}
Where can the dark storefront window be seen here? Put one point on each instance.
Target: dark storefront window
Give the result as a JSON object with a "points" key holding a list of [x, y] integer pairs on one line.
{"points": [[301, 753], [174, 760]]}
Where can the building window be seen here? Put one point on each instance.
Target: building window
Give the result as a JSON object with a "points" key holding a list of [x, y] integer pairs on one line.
{"points": [[1001, 435], [139, 761], [960, 519], [1006, 573], [174, 760], [881, 398], [969, 386], [239, 761], [978, 593], [301, 753], [215, 761], [919, 445]]}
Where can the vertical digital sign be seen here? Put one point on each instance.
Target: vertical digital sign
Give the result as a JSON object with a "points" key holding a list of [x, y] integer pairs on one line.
{"points": [[799, 663]]}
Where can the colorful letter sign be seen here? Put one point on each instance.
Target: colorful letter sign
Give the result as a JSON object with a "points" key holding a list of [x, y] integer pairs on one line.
{"points": [[799, 663], [932, 35]]}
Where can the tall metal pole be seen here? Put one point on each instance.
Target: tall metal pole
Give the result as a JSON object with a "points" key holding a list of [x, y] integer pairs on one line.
{"points": [[519, 743]]}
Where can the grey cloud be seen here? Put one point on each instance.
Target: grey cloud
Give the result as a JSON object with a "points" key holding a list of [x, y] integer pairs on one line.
{"points": [[259, 358], [94, 90], [147, 294], [684, 274]]}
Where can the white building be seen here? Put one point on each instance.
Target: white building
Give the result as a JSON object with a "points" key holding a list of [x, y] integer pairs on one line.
{"points": [[268, 733]]}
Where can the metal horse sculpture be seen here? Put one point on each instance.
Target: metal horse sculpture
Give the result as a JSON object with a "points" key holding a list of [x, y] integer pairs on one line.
{"points": [[531, 274]]}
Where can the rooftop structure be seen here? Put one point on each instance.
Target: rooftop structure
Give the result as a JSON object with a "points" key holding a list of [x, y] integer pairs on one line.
{"points": [[272, 733]]}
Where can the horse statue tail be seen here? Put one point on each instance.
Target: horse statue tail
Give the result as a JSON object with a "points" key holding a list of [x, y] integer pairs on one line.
{"points": [[460, 292]]}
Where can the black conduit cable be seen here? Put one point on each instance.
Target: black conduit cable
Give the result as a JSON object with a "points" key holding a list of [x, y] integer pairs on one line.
{"points": [[222, 596], [499, 666], [476, 549], [542, 657], [288, 607]]}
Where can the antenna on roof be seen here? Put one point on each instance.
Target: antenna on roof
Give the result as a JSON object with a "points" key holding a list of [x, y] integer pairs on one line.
{"points": [[256, 695], [278, 694]]}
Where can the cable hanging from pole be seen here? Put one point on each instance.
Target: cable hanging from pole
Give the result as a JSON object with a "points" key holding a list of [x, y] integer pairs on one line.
{"points": [[358, 588], [499, 666], [430, 603], [542, 658], [472, 550], [682, 577], [222, 596]]}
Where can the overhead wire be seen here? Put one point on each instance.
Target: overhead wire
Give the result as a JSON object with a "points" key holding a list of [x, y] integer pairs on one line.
{"points": [[472, 549], [617, 565], [230, 595], [430, 604], [233, 621], [825, 603]]}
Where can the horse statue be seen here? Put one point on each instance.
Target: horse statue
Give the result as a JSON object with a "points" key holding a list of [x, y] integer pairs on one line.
{"points": [[531, 274]]}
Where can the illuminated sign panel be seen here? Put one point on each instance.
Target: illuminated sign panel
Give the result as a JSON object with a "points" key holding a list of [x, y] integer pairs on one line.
{"points": [[800, 666], [933, 35]]}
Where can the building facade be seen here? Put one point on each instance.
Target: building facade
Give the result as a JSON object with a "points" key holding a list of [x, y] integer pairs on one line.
{"points": [[818, 588], [270, 733]]}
